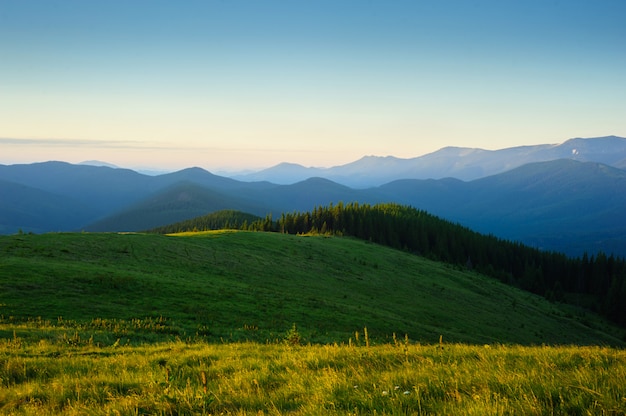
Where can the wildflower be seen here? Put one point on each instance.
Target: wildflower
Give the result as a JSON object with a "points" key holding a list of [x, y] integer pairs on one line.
{"points": [[406, 393], [396, 388], [385, 392]]}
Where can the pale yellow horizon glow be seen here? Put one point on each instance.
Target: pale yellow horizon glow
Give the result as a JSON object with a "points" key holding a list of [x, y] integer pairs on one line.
{"points": [[228, 155]]}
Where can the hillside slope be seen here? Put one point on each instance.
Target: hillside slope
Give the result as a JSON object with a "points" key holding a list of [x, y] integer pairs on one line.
{"points": [[244, 285], [33, 210], [179, 202]]}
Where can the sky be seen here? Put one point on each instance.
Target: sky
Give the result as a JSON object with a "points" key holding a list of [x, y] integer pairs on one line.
{"points": [[234, 84]]}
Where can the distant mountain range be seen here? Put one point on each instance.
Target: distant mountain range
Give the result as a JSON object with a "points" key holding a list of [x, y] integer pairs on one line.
{"points": [[456, 162], [571, 204]]}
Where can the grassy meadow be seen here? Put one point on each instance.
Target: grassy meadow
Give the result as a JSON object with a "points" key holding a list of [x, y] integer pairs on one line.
{"points": [[177, 378], [253, 286], [265, 323]]}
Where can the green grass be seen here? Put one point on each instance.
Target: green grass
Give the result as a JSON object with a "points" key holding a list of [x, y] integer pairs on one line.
{"points": [[127, 324], [236, 286], [251, 378]]}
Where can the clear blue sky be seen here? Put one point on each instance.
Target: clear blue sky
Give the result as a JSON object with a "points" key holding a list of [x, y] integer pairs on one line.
{"points": [[232, 84]]}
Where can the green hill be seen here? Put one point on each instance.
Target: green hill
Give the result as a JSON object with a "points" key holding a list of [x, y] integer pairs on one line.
{"points": [[597, 282], [253, 285], [218, 220], [176, 203]]}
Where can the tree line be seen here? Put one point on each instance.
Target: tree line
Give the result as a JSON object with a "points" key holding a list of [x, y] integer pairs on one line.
{"points": [[219, 220]]}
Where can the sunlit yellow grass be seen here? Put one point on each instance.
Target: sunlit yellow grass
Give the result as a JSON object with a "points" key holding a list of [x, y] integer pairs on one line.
{"points": [[251, 378], [201, 233]]}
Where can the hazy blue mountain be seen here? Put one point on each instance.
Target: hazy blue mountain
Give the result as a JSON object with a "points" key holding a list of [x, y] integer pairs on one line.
{"points": [[33, 210], [282, 174], [608, 150], [199, 176], [98, 163], [312, 192], [175, 203], [101, 189], [462, 163], [187, 199], [557, 204], [563, 205], [566, 205]]}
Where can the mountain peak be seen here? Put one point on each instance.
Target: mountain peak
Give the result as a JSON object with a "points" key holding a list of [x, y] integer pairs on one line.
{"points": [[194, 169], [98, 163], [288, 165]]}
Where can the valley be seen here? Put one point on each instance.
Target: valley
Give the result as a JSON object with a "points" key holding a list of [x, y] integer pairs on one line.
{"points": [[571, 205]]}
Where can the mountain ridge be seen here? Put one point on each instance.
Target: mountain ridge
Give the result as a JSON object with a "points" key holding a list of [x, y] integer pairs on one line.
{"points": [[562, 205], [460, 162], [565, 204]]}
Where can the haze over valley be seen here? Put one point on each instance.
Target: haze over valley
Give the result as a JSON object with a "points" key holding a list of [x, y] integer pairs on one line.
{"points": [[568, 197]]}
